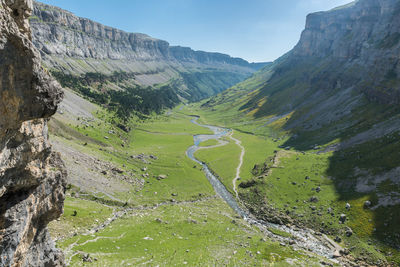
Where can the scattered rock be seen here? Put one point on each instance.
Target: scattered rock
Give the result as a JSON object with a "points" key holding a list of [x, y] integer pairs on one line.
{"points": [[336, 254], [318, 189], [147, 238], [117, 170], [314, 199], [367, 204], [348, 206], [349, 231], [338, 239], [342, 218], [86, 258], [193, 221], [326, 264], [345, 251], [161, 177]]}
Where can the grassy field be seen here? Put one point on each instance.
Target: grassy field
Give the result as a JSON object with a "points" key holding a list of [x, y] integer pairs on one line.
{"points": [[211, 142], [79, 215], [174, 220], [166, 138], [307, 186], [223, 161], [197, 234]]}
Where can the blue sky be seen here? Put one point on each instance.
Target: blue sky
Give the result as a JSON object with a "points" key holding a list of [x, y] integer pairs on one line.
{"points": [[256, 30]]}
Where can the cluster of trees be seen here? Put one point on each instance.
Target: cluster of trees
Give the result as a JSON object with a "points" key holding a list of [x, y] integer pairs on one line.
{"points": [[142, 100], [133, 100]]}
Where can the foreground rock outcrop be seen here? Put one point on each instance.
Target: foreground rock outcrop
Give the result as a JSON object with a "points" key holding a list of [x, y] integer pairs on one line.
{"points": [[32, 176]]}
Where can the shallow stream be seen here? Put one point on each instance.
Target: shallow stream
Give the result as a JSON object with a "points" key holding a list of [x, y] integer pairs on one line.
{"points": [[302, 238]]}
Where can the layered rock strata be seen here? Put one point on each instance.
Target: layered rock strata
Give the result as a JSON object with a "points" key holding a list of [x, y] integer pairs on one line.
{"points": [[32, 176]]}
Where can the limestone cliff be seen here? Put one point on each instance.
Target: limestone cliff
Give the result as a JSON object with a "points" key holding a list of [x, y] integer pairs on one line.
{"points": [[76, 46], [364, 37], [60, 35], [346, 58], [32, 176]]}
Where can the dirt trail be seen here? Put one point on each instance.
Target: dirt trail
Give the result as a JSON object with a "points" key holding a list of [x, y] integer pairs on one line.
{"points": [[243, 151]]}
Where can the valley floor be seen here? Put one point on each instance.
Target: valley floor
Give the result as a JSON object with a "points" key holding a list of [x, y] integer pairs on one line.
{"points": [[137, 199], [283, 185]]}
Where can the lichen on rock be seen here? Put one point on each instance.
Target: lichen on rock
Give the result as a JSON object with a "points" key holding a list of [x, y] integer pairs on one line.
{"points": [[32, 176]]}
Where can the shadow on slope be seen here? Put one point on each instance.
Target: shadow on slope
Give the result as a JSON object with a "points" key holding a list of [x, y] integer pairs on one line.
{"points": [[323, 111]]}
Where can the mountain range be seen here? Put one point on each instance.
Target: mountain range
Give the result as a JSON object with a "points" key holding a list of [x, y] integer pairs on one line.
{"points": [[77, 46]]}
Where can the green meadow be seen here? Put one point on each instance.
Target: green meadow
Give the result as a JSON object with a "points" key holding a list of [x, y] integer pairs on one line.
{"points": [[290, 187], [174, 221]]}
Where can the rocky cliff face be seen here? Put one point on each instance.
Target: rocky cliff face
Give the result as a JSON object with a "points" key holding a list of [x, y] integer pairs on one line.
{"points": [[364, 37], [344, 55], [77, 46], [32, 176], [63, 37]]}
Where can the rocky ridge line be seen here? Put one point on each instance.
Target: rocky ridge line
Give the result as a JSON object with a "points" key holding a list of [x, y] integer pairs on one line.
{"points": [[60, 34]]}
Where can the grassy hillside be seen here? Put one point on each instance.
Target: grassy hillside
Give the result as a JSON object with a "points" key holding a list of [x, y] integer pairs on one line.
{"points": [[309, 153]]}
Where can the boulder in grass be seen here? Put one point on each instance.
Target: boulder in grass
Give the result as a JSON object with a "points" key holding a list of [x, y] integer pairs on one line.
{"points": [[348, 231], [342, 218], [161, 177]]}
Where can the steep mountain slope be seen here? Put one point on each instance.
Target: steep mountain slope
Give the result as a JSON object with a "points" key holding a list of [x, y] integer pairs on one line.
{"points": [[339, 80], [77, 46], [32, 176], [334, 100]]}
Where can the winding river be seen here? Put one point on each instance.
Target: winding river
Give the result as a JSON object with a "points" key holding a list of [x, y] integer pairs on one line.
{"points": [[215, 182], [302, 238]]}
